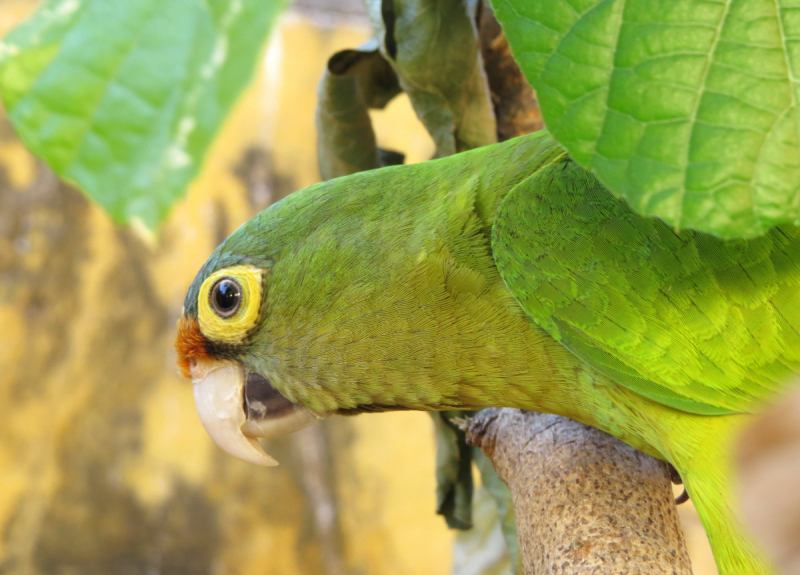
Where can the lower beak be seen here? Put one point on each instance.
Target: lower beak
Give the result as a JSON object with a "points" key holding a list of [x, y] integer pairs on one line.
{"points": [[237, 407]]}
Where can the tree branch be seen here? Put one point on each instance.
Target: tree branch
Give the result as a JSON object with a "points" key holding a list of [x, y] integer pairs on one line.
{"points": [[516, 108], [584, 501]]}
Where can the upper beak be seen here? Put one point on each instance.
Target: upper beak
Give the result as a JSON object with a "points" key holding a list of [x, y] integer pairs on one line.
{"points": [[236, 407]]}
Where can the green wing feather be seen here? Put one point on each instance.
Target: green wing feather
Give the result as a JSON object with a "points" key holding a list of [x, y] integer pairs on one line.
{"points": [[692, 321]]}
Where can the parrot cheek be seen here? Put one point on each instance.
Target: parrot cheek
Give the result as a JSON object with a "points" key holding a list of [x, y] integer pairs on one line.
{"points": [[235, 408]]}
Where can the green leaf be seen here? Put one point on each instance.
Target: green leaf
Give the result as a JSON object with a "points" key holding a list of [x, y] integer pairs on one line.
{"points": [[686, 108], [353, 82], [453, 470], [124, 97], [433, 47]]}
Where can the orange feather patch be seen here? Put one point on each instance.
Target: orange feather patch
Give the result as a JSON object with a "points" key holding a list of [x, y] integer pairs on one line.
{"points": [[190, 344]]}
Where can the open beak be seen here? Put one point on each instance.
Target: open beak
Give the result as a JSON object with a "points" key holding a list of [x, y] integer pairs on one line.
{"points": [[237, 407]]}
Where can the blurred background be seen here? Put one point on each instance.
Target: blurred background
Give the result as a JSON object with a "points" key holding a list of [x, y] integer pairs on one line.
{"points": [[104, 466]]}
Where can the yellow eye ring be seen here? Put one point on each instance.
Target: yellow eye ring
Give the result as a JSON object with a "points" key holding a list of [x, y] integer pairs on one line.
{"points": [[229, 302]]}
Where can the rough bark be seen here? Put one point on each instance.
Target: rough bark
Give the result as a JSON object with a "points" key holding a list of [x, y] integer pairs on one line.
{"points": [[584, 501]]}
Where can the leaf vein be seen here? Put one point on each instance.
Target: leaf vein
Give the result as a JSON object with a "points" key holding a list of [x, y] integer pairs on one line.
{"points": [[695, 110]]}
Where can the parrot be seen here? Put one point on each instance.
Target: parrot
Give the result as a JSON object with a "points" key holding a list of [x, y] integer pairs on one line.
{"points": [[504, 276]]}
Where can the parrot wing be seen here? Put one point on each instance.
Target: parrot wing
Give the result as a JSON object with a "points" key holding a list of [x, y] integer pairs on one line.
{"points": [[698, 323]]}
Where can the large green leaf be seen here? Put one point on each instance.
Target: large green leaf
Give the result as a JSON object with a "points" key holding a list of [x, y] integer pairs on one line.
{"points": [[123, 97], [687, 108]]}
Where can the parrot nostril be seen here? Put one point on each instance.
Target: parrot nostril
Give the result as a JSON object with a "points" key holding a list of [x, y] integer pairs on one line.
{"points": [[262, 400]]}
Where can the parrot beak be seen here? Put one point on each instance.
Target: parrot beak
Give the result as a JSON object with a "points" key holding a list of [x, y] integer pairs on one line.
{"points": [[236, 407]]}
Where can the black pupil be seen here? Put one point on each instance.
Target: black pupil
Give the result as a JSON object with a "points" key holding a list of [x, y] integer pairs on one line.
{"points": [[226, 296]]}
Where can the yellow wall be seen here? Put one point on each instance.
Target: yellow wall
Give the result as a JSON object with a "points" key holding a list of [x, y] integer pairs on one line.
{"points": [[104, 467]]}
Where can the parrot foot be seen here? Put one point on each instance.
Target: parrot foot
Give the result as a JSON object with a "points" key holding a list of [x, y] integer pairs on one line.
{"points": [[674, 475], [677, 480]]}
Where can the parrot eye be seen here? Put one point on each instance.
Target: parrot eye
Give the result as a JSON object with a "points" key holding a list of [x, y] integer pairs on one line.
{"points": [[226, 297], [229, 303]]}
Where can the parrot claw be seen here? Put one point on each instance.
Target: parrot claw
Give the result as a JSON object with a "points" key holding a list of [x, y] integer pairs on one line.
{"points": [[677, 480], [236, 409]]}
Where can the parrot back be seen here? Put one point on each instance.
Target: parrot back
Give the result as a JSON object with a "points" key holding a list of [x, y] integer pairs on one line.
{"points": [[695, 322]]}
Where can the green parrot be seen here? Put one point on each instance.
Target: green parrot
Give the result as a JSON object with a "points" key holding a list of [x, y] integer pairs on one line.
{"points": [[504, 276]]}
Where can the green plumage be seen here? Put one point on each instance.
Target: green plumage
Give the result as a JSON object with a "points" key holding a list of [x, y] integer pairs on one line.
{"points": [[698, 323], [449, 284]]}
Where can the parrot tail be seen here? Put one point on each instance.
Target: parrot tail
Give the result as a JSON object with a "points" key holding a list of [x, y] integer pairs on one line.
{"points": [[708, 474]]}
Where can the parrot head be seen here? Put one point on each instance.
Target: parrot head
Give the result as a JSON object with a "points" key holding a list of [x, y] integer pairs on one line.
{"points": [[286, 322], [342, 299], [217, 334]]}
